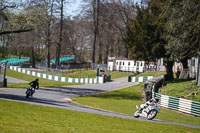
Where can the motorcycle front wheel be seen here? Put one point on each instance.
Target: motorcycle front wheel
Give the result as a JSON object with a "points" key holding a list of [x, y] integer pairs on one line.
{"points": [[152, 114], [28, 94], [136, 114]]}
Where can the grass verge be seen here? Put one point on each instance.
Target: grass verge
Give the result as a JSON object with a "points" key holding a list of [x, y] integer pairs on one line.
{"points": [[125, 100], [184, 89], [151, 74], [85, 73], [25, 118], [29, 78]]}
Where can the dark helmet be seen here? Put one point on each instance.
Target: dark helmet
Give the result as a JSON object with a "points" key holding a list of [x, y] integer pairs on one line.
{"points": [[156, 99], [37, 79]]}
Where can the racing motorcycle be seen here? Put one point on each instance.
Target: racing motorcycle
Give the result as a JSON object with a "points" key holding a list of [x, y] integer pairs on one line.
{"points": [[30, 91], [149, 111]]}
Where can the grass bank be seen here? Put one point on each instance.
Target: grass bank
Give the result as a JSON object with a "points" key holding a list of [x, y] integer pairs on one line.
{"points": [[83, 73], [125, 100], [25, 118], [29, 78], [183, 89], [151, 74]]}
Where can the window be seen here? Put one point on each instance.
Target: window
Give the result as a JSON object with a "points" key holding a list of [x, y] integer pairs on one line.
{"points": [[129, 63], [123, 63], [137, 63], [120, 63], [117, 63], [141, 64]]}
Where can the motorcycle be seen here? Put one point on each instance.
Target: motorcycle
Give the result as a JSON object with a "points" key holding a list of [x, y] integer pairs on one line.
{"points": [[149, 112], [30, 91]]}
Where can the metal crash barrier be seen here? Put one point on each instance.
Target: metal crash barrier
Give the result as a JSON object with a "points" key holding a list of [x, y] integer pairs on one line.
{"points": [[178, 104]]}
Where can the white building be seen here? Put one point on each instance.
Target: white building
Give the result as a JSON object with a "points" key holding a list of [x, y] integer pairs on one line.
{"points": [[126, 65], [134, 66]]}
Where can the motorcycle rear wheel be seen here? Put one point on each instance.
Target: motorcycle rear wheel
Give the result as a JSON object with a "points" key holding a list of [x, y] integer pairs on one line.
{"points": [[152, 114]]}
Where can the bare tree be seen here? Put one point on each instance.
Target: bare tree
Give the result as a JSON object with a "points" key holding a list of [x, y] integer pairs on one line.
{"points": [[95, 5], [58, 44], [49, 9], [125, 11]]}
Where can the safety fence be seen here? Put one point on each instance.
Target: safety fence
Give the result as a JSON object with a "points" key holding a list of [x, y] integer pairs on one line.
{"points": [[14, 61], [140, 79], [178, 104], [63, 59], [58, 78]]}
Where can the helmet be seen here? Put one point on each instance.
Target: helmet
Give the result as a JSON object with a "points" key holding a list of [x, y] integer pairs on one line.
{"points": [[37, 79], [156, 99]]}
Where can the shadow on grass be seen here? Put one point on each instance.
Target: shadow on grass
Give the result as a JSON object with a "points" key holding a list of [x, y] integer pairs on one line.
{"points": [[119, 95], [71, 91], [180, 80]]}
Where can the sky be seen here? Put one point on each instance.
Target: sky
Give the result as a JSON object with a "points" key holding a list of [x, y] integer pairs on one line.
{"points": [[74, 8]]}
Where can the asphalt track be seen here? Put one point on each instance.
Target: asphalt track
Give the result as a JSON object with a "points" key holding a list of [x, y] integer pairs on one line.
{"points": [[59, 97]]}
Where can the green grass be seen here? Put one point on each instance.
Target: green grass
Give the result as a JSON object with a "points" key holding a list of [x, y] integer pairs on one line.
{"points": [[29, 78], [18, 117], [125, 100], [151, 74], [74, 73], [182, 89], [115, 75], [85, 73]]}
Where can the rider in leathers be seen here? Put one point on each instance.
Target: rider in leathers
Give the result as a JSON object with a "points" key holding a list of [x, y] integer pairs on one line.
{"points": [[34, 85], [150, 102]]}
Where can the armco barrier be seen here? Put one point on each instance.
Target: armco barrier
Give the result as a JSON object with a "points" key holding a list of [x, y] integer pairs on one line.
{"points": [[179, 104], [140, 79], [58, 78]]}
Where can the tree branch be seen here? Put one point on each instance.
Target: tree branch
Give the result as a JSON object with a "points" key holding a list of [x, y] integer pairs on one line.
{"points": [[7, 7], [17, 31]]}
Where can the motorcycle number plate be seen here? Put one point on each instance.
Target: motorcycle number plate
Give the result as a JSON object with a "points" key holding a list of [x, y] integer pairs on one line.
{"points": [[148, 109]]}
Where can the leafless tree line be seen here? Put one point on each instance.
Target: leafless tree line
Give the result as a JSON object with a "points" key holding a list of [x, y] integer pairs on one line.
{"points": [[92, 36]]}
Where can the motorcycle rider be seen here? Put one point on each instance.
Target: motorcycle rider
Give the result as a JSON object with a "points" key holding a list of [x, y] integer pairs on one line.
{"points": [[34, 85], [152, 101]]}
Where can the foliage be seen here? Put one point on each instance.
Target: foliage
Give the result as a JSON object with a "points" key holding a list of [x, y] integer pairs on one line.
{"points": [[143, 36], [166, 29], [183, 28]]}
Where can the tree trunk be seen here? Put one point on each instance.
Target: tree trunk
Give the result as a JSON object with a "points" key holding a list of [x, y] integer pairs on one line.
{"points": [[96, 25], [33, 56], [58, 48], [170, 75], [185, 63], [48, 43], [126, 51], [106, 55], [119, 49], [111, 50], [49, 34], [198, 71], [48, 56], [100, 53]]}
